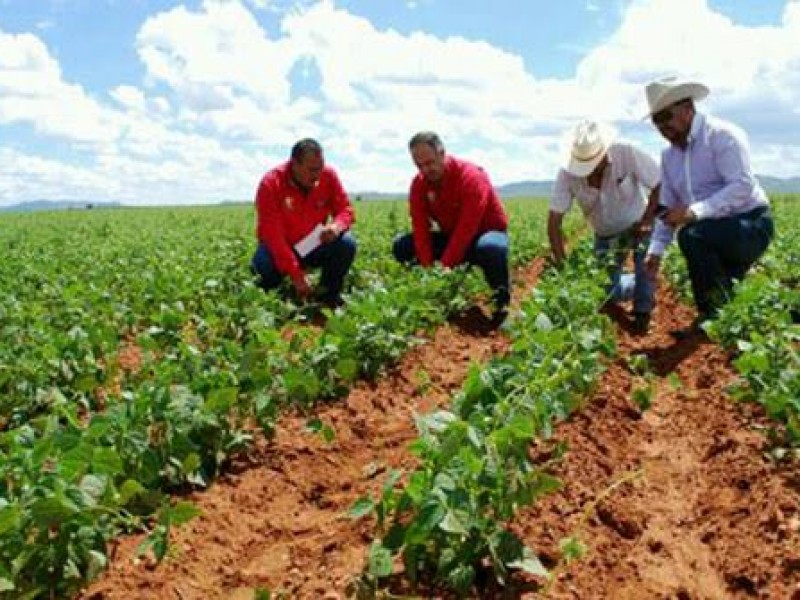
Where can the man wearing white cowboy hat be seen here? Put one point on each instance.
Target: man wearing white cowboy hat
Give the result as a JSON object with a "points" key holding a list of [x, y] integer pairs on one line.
{"points": [[712, 198], [609, 180]]}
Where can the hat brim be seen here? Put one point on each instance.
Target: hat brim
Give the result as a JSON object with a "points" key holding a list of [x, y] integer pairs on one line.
{"points": [[684, 91], [582, 168]]}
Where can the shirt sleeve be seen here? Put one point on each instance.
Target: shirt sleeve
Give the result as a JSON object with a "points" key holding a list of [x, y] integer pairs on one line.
{"points": [[561, 200], [731, 159], [646, 169], [420, 225], [476, 191], [663, 233], [270, 228], [343, 214]]}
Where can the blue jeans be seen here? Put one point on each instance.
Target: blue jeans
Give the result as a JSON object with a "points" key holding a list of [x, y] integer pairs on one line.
{"points": [[613, 251], [333, 258], [720, 251], [489, 251]]}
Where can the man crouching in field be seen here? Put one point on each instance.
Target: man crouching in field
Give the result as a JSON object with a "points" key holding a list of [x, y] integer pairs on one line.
{"points": [[303, 218], [608, 179], [457, 197], [714, 202]]}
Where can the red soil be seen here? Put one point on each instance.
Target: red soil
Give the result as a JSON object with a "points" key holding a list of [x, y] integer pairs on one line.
{"points": [[676, 502]]}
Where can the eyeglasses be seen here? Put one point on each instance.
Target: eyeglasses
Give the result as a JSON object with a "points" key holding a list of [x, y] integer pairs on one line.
{"points": [[664, 116]]}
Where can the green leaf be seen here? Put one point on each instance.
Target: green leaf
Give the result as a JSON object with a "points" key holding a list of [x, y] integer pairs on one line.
{"points": [[328, 433], [427, 519], [362, 507], [453, 524], [76, 462], [9, 518], [314, 425], [347, 369], [183, 512], [53, 510], [220, 400], [106, 461], [545, 484], [191, 463], [572, 548], [530, 563], [380, 560], [129, 490], [93, 488], [97, 564], [643, 397]]}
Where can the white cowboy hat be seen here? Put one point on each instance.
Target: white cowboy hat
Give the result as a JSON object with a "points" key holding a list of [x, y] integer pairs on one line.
{"points": [[669, 90], [589, 144]]}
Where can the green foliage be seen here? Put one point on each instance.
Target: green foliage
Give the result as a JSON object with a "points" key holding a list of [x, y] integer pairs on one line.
{"points": [[450, 515], [760, 326], [91, 443]]}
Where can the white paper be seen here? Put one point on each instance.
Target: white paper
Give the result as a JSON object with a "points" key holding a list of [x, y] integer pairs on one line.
{"points": [[310, 242]]}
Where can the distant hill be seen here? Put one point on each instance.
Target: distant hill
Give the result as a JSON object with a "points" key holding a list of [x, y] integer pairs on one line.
{"points": [[517, 189], [776, 185], [772, 185], [38, 205], [530, 189]]}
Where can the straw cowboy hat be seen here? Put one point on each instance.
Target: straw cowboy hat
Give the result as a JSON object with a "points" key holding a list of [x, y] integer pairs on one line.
{"points": [[669, 90], [589, 144]]}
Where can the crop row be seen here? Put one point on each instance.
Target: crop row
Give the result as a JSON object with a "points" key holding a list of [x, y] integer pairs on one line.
{"points": [[448, 518], [760, 326], [92, 445]]}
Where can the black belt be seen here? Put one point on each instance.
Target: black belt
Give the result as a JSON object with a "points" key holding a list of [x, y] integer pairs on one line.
{"points": [[757, 212]]}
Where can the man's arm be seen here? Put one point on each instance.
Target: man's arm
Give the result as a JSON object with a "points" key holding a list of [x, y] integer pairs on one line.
{"points": [[476, 191], [645, 225], [420, 225], [556, 236], [731, 159], [342, 209], [270, 229]]}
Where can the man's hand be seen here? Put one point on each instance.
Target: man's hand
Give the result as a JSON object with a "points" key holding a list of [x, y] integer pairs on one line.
{"points": [[329, 233], [551, 261], [301, 286], [652, 265], [675, 217], [642, 229]]}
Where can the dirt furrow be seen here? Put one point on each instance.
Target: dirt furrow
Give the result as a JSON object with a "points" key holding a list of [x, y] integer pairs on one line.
{"points": [[678, 501], [277, 520]]}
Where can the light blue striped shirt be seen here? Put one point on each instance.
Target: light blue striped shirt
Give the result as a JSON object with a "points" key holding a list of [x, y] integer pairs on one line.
{"points": [[712, 176]]}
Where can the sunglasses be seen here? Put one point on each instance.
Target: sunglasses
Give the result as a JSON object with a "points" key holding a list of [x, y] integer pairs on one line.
{"points": [[664, 116]]}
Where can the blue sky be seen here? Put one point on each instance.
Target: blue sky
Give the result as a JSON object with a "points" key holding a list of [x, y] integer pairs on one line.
{"points": [[156, 101]]}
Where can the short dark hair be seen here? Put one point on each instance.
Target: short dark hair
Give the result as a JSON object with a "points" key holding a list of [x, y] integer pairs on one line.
{"points": [[305, 147], [429, 138]]}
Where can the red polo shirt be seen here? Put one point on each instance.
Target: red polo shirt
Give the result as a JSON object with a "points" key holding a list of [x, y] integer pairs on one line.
{"points": [[285, 215], [464, 205]]}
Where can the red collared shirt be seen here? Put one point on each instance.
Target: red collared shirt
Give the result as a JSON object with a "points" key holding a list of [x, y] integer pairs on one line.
{"points": [[285, 215], [464, 205]]}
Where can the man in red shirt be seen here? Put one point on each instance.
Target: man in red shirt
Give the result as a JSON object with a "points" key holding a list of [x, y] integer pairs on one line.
{"points": [[303, 218], [457, 197]]}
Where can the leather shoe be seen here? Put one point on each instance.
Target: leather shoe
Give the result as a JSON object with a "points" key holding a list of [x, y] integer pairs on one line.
{"points": [[695, 328], [641, 322], [499, 315]]}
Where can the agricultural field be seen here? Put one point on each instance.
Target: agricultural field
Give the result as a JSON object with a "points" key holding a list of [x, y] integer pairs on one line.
{"points": [[170, 431]]}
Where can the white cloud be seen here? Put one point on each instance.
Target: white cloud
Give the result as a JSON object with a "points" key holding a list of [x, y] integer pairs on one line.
{"points": [[32, 91], [223, 99]]}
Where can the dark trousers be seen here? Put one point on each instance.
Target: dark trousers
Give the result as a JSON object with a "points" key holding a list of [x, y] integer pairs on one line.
{"points": [[720, 251], [637, 286], [489, 251], [334, 259]]}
